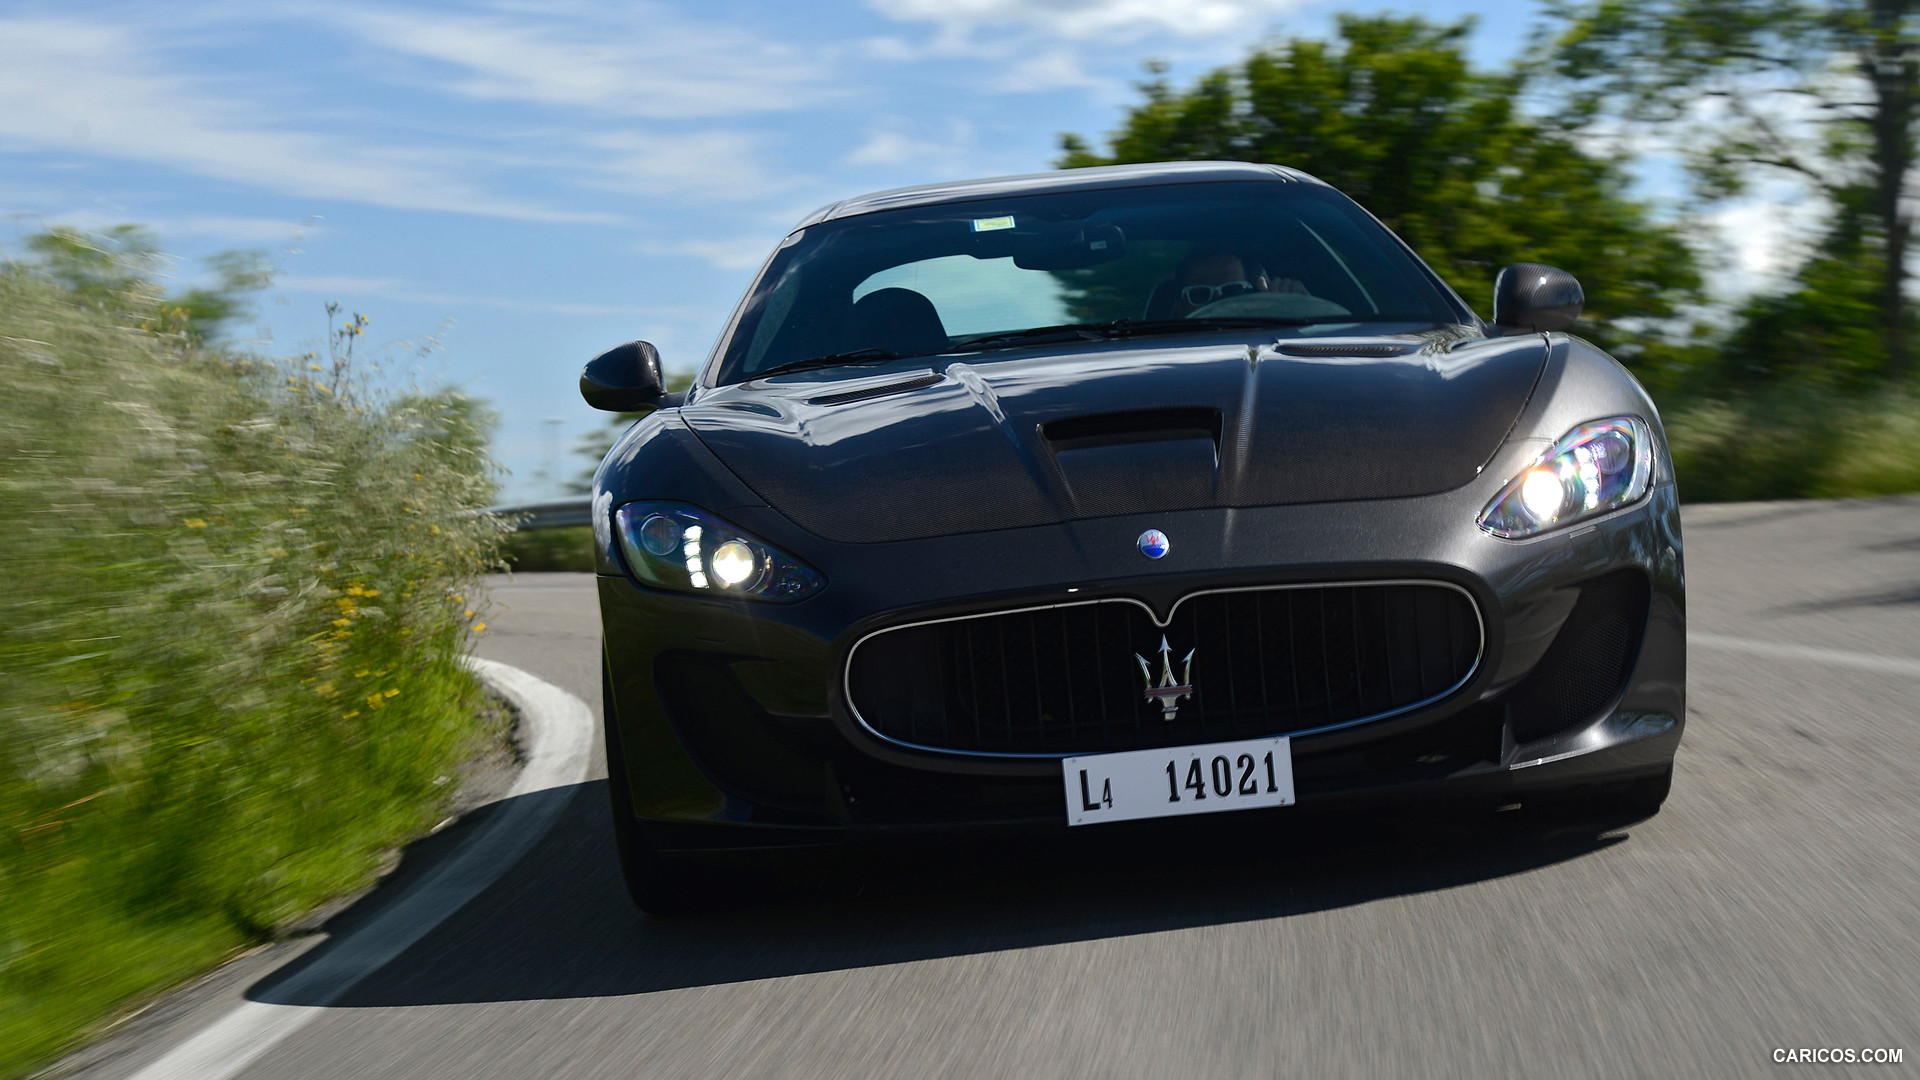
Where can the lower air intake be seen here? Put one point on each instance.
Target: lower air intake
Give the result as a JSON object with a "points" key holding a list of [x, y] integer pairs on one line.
{"points": [[1587, 665]]}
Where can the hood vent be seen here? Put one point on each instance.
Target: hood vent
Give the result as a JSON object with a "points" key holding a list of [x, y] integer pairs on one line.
{"points": [[1143, 425], [865, 392], [1293, 348], [1134, 462]]}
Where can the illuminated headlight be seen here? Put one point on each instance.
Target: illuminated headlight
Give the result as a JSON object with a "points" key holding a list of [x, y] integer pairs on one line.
{"points": [[685, 549], [1598, 467]]}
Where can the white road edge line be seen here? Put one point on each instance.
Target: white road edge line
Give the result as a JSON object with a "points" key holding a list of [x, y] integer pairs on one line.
{"points": [[1889, 665], [559, 740]]}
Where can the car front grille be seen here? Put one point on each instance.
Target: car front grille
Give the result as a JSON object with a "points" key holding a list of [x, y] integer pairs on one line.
{"points": [[1068, 679]]}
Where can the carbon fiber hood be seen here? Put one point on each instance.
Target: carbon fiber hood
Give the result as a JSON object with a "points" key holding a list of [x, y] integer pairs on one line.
{"points": [[1045, 436]]}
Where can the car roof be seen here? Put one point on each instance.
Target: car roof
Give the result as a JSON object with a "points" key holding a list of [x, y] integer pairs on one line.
{"points": [[1104, 176]]}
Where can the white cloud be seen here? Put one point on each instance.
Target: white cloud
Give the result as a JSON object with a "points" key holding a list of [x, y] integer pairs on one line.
{"points": [[636, 61], [1082, 20], [1055, 69], [1764, 238], [79, 85], [400, 291], [705, 165], [891, 146], [737, 253], [238, 229]]}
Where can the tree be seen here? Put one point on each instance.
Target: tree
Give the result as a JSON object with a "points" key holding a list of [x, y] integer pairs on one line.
{"points": [[115, 271], [1393, 114], [1823, 90]]}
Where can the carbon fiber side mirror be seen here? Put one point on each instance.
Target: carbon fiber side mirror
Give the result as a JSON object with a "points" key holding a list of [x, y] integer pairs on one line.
{"points": [[1536, 298], [625, 378]]}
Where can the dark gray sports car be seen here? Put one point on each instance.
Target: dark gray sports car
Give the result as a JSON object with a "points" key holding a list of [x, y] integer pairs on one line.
{"points": [[1124, 493]]}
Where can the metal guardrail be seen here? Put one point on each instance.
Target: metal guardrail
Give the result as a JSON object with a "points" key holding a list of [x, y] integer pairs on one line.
{"points": [[552, 514]]}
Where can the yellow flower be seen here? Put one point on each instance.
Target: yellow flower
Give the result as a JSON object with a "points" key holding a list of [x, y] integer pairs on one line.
{"points": [[343, 622], [351, 713], [393, 691], [361, 674], [479, 626], [196, 523]]}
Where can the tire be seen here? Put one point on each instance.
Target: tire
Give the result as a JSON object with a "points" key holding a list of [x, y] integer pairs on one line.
{"points": [[659, 885]]}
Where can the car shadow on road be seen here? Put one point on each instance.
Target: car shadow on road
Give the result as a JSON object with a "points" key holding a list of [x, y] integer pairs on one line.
{"points": [[559, 925]]}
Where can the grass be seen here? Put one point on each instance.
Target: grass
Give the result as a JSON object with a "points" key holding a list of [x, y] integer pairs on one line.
{"points": [[237, 594]]}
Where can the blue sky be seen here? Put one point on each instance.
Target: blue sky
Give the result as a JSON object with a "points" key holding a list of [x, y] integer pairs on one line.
{"points": [[527, 184]]}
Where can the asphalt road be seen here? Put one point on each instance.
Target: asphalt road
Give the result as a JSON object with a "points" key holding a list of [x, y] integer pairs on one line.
{"points": [[1775, 903]]}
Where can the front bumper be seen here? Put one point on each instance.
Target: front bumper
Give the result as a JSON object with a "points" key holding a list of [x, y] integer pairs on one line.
{"points": [[734, 730]]}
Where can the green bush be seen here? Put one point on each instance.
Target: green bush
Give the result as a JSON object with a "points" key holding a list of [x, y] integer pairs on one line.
{"points": [[568, 548], [1796, 440], [236, 595]]}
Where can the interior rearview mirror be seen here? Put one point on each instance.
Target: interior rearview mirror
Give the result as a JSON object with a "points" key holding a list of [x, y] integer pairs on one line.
{"points": [[1071, 247], [625, 378], [1536, 298]]}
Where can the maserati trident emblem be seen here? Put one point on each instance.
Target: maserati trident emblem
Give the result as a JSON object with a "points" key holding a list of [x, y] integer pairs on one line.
{"points": [[1168, 694], [1154, 543]]}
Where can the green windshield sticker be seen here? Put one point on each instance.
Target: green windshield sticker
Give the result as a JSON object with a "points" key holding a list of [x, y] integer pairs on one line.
{"points": [[989, 224]]}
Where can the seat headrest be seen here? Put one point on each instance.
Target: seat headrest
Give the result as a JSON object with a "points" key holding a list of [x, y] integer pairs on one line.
{"points": [[899, 320]]}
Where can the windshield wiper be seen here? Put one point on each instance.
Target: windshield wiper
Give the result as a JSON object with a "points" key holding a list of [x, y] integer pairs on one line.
{"points": [[853, 358], [1132, 327], [1125, 328], [1063, 331]]}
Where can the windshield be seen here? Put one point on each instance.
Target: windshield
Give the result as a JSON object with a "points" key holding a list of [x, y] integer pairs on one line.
{"points": [[973, 276]]}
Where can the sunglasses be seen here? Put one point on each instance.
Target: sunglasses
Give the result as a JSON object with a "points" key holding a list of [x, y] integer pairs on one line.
{"points": [[1196, 295]]}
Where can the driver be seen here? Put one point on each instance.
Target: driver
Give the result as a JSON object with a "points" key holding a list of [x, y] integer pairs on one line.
{"points": [[1216, 274]]}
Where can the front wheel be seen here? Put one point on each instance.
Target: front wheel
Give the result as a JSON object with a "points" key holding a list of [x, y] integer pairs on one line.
{"points": [[659, 885]]}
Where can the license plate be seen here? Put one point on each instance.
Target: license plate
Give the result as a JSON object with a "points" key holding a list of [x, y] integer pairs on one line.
{"points": [[1178, 780]]}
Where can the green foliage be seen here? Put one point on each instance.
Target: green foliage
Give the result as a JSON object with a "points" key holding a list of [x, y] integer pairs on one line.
{"points": [[1826, 92], [1792, 440], [1393, 114], [533, 550], [237, 597], [203, 312], [114, 272]]}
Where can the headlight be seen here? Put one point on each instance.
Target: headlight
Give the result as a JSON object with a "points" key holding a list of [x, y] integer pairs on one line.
{"points": [[1598, 467], [678, 547]]}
